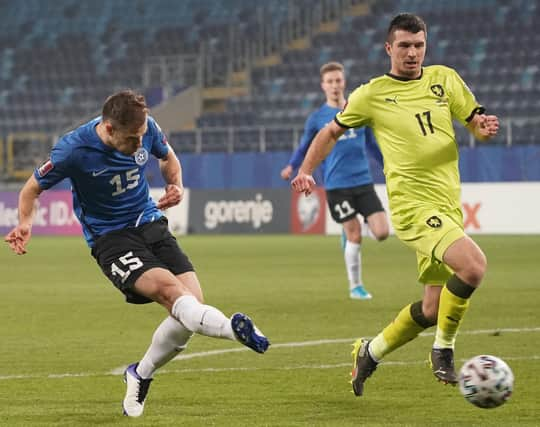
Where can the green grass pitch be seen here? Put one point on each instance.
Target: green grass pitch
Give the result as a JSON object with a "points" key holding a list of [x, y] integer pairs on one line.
{"points": [[66, 334]]}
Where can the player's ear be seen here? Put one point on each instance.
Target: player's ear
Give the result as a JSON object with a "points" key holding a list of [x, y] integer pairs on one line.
{"points": [[109, 128], [388, 48]]}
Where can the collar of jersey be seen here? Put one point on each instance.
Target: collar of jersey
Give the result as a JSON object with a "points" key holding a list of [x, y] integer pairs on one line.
{"points": [[405, 79]]}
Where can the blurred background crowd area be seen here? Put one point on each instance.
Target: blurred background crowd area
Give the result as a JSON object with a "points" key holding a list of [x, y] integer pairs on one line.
{"points": [[237, 76]]}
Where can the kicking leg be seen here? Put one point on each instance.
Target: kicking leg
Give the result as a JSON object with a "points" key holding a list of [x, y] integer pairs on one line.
{"points": [[175, 294]]}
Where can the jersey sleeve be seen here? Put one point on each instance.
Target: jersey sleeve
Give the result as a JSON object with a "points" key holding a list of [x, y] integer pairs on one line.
{"points": [[57, 167], [463, 104], [160, 144], [310, 130], [356, 111]]}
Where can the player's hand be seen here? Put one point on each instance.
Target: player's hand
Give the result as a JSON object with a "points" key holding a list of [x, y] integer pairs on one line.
{"points": [[303, 183], [173, 195], [286, 172], [488, 126], [18, 238]]}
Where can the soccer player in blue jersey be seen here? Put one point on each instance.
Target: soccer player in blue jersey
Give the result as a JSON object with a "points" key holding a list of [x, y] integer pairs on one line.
{"points": [[347, 179], [105, 160]]}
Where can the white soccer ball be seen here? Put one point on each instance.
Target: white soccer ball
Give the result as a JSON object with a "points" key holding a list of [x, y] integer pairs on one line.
{"points": [[486, 381]]}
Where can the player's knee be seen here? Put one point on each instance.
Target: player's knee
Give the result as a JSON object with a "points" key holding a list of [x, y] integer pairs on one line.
{"points": [[475, 273], [354, 236], [381, 233], [378, 225], [476, 270], [430, 310], [168, 293]]}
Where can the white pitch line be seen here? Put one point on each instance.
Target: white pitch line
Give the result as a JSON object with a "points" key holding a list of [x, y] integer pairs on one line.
{"points": [[243, 369], [120, 370], [326, 366], [346, 340]]}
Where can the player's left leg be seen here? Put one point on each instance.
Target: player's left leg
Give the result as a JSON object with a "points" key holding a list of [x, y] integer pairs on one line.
{"points": [[469, 263], [378, 224], [367, 203], [352, 254]]}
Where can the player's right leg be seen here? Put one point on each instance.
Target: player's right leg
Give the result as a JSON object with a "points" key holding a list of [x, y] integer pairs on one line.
{"points": [[341, 206], [409, 322], [352, 254], [175, 295]]}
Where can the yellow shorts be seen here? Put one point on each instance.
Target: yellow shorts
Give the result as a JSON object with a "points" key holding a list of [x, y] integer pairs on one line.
{"points": [[429, 232]]}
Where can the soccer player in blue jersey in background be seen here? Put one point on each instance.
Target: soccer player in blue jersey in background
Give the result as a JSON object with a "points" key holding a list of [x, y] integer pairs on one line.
{"points": [[105, 161], [347, 179]]}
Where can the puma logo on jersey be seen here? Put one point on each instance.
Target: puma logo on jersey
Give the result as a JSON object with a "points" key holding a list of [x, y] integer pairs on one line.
{"points": [[98, 173], [394, 99]]}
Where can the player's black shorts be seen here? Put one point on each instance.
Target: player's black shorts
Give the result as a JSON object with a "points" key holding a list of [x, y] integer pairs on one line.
{"points": [[346, 203], [124, 255]]}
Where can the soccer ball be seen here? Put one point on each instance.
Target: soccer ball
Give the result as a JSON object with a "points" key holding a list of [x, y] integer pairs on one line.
{"points": [[486, 381]]}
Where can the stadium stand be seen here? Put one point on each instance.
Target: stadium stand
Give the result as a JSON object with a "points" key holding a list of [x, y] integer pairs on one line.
{"points": [[59, 60], [486, 41]]}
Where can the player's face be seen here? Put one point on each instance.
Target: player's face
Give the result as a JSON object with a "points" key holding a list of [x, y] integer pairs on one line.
{"points": [[333, 85], [407, 52], [128, 141]]}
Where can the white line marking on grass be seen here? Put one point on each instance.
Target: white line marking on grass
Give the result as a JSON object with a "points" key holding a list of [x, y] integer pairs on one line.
{"points": [[348, 340], [120, 370], [333, 366], [281, 368]]}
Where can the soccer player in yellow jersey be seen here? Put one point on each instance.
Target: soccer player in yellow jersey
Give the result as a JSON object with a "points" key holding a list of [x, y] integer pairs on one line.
{"points": [[410, 110]]}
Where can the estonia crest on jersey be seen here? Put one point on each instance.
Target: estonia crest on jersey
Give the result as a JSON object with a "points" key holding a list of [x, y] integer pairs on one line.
{"points": [[141, 156]]}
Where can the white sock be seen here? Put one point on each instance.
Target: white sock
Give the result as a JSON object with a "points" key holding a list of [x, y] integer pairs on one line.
{"points": [[170, 338], [202, 319], [353, 263]]}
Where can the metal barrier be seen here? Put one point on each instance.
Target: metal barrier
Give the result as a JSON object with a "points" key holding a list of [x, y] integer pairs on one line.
{"points": [[25, 151]]}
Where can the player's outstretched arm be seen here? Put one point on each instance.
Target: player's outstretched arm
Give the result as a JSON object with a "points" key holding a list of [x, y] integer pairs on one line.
{"points": [[298, 156], [172, 174], [483, 127], [286, 172], [18, 238], [321, 146]]}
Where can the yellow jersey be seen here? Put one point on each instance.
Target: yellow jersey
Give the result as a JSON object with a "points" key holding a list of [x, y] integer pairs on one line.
{"points": [[412, 121]]}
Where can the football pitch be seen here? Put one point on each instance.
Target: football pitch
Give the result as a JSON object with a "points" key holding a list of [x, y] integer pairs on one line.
{"points": [[66, 335]]}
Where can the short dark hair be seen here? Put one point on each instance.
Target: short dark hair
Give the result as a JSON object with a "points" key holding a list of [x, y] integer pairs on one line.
{"points": [[331, 66], [407, 22], [125, 110]]}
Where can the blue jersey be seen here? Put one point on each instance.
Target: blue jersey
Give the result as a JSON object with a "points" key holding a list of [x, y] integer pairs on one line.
{"points": [[347, 165], [110, 190]]}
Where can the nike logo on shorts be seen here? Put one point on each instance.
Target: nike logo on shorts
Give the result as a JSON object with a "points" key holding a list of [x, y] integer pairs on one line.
{"points": [[98, 173]]}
